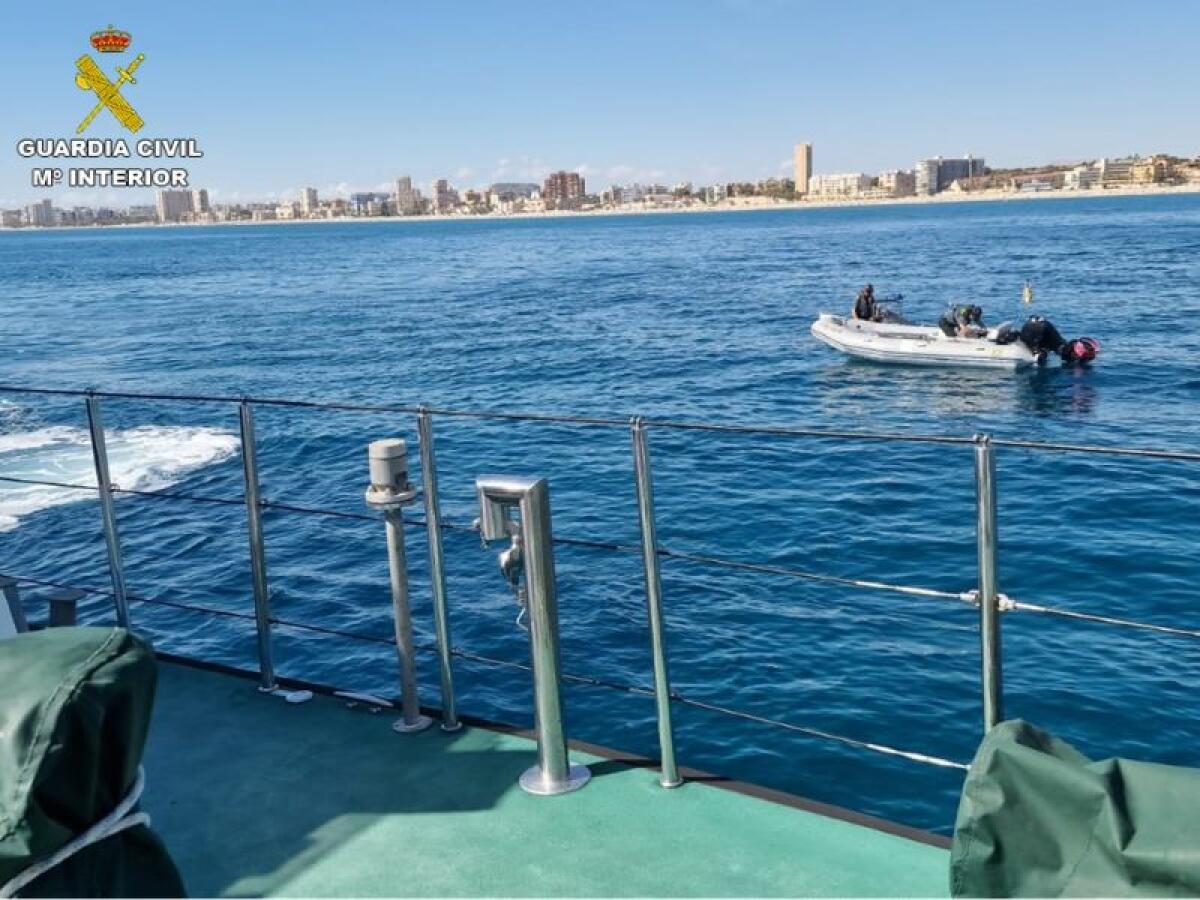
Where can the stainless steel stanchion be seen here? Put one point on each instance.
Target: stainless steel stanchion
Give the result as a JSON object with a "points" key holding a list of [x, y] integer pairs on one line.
{"points": [[112, 538], [391, 491], [258, 556], [658, 643], [12, 613], [989, 597], [437, 569], [533, 553]]}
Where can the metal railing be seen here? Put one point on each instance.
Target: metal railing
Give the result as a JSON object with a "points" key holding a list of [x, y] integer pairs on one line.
{"points": [[985, 596]]}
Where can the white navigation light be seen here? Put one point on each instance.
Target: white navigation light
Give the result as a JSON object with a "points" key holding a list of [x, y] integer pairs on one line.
{"points": [[388, 465]]}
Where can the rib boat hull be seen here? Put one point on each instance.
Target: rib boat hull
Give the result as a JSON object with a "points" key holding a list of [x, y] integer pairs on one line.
{"points": [[916, 345]]}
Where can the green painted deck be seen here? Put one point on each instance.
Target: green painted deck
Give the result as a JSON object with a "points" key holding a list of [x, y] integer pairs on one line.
{"points": [[255, 796]]}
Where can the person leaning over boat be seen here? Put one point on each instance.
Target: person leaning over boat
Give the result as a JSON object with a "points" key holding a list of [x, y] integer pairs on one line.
{"points": [[865, 307], [963, 320]]}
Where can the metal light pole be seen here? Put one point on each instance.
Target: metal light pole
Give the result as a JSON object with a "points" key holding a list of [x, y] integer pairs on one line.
{"points": [[390, 492]]}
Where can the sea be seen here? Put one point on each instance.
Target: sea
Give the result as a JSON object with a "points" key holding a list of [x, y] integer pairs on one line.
{"points": [[693, 318]]}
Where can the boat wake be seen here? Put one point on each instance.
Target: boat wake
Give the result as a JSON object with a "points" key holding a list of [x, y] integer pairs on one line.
{"points": [[149, 457]]}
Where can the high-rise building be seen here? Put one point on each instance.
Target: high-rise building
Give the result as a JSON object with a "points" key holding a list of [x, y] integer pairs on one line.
{"points": [[200, 201], [937, 174], [172, 206], [445, 198], [563, 190], [802, 168], [41, 213], [406, 197], [925, 177], [308, 201]]}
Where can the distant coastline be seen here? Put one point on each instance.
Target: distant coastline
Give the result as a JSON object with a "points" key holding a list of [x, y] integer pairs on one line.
{"points": [[747, 205]]}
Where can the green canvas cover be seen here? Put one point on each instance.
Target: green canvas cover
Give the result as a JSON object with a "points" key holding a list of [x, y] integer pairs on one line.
{"points": [[1039, 819], [75, 707]]}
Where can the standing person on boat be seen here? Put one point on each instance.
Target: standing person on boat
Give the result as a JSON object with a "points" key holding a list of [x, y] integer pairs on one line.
{"points": [[963, 320], [865, 307]]}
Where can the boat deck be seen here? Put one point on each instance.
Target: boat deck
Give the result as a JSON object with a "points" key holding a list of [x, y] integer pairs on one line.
{"points": [[255, 796]]}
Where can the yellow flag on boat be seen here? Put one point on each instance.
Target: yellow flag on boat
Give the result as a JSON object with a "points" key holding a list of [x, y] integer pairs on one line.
{"points": [[1027, 293]]}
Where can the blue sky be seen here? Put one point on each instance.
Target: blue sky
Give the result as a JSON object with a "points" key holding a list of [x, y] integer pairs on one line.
{"points": [[349, 95]]}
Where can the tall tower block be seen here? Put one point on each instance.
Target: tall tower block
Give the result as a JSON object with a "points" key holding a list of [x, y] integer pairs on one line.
{"points": [[802, 163]]}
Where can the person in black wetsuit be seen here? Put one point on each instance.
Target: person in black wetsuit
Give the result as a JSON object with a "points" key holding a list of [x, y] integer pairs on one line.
{"points": [[865, 307], [1040, 336]]}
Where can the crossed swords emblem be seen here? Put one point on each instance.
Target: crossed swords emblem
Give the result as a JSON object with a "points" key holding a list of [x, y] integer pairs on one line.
{"points": [[108, 93]]}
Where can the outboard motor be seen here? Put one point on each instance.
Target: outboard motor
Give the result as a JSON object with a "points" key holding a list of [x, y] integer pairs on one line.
{"points": [[1080, 351]]}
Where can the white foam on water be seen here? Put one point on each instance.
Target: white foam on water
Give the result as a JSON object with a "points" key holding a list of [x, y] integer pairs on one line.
{"points": [[146, 458]]}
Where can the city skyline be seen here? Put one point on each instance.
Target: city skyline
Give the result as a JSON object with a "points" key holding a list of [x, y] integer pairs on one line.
{"points": [[653, 104], [564, 191]]}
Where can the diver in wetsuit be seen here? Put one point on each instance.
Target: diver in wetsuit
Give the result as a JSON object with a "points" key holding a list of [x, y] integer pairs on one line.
{"points": [[865, 307], [1040, 336], [962, 320]]}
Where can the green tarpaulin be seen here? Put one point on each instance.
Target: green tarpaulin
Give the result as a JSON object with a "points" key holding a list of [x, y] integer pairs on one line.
{"points": [[1039, 819], [75, 707]]}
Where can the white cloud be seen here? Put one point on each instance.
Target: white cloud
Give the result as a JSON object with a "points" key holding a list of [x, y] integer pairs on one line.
{"points": [[521, 168], [340, 190], [623, 173]]}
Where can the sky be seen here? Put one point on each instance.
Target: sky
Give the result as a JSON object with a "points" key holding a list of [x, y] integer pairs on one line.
{"points": [[347, 96]]}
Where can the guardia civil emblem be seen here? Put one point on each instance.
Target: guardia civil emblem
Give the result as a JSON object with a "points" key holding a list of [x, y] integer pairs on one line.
{"points": [[90, 77]]}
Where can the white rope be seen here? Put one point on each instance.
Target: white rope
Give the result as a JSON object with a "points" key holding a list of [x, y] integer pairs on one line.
{"points": [[115, 822]]}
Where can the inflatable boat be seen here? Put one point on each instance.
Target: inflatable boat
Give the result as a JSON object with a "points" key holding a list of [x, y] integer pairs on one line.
{"points": [[922, 345]]}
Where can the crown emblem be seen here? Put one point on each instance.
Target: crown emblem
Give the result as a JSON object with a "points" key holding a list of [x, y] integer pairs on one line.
{"points": [[110, 40]]}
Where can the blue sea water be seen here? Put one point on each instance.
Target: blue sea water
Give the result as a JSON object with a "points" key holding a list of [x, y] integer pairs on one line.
{"points": [[696, 317]]}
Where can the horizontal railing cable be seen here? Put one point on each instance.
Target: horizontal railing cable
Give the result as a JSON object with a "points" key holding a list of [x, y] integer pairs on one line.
{"points": [[43, 482], [1143, 452], [1106, 620], [911, 755], [765, 569], [613, 421], [788, 431], [174, 495]]}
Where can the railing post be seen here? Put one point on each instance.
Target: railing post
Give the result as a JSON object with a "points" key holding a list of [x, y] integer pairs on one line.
{"points": [[112, 539], [12, 613], [658, 646], [989, 597], [437, 568], [258, 556]]}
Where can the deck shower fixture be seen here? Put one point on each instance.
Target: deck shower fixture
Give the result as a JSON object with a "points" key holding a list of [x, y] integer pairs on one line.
{"points": [[391, 491], [530, 555]]}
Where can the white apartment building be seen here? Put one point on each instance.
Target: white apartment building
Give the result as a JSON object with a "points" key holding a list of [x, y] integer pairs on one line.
{"points": [[308, 202], [897, 183], [838, 187], [173, 206]]}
